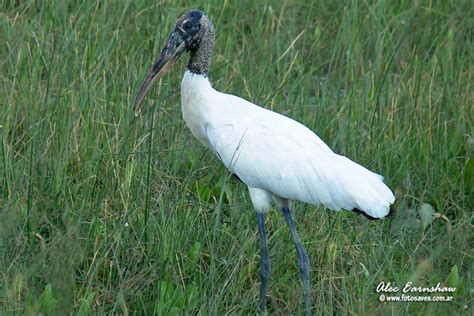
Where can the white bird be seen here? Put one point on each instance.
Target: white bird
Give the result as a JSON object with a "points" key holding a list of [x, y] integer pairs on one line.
{"points": [[278, 158]]}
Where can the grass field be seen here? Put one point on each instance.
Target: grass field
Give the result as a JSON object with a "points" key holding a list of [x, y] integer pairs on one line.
{"points": [[105, 213]]}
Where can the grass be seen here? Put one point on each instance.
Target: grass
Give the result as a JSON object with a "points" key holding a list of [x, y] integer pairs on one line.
{"points": [[104, 213]]}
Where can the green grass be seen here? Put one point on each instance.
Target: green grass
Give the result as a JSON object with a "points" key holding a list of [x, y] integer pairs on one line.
{"points": [[104, 213]]}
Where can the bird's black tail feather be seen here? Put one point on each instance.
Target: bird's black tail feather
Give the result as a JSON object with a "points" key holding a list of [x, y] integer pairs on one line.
{"points": [[390, 213]]}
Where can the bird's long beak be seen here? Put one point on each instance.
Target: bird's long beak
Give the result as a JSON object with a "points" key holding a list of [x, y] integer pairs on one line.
{"points": [[170, 53]]}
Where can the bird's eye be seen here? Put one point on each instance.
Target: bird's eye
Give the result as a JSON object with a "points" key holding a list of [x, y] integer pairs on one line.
{"points": [[187, 25]]}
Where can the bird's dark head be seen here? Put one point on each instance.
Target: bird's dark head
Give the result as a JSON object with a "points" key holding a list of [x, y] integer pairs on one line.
{"points": [[190, 28], [194, 33]]}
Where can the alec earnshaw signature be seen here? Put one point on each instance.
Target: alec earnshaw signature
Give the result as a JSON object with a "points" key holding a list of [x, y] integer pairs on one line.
{"points": [[409, 288]]}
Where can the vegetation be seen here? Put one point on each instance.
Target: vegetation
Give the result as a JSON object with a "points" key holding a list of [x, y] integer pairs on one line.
{"points": [[102, 212]]}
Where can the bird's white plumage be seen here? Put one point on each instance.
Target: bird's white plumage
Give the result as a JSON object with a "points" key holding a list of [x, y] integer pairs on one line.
{"points": [[278, 155]]}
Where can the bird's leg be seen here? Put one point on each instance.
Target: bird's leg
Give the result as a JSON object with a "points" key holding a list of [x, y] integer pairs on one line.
{"points": [[265, 261], [303, 260]]}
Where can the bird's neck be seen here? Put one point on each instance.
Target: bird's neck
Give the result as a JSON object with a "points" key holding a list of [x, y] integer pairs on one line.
{"points": [[200, 58]]}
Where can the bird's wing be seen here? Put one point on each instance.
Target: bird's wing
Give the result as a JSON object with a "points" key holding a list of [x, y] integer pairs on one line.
{"points": [[272, 152]]}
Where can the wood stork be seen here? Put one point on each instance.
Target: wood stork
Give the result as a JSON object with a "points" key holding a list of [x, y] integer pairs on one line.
{"points": [[278, 158]]}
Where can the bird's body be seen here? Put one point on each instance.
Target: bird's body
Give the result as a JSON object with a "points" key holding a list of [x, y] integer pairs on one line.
{"points": [[278, 158], [273, 153]]}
